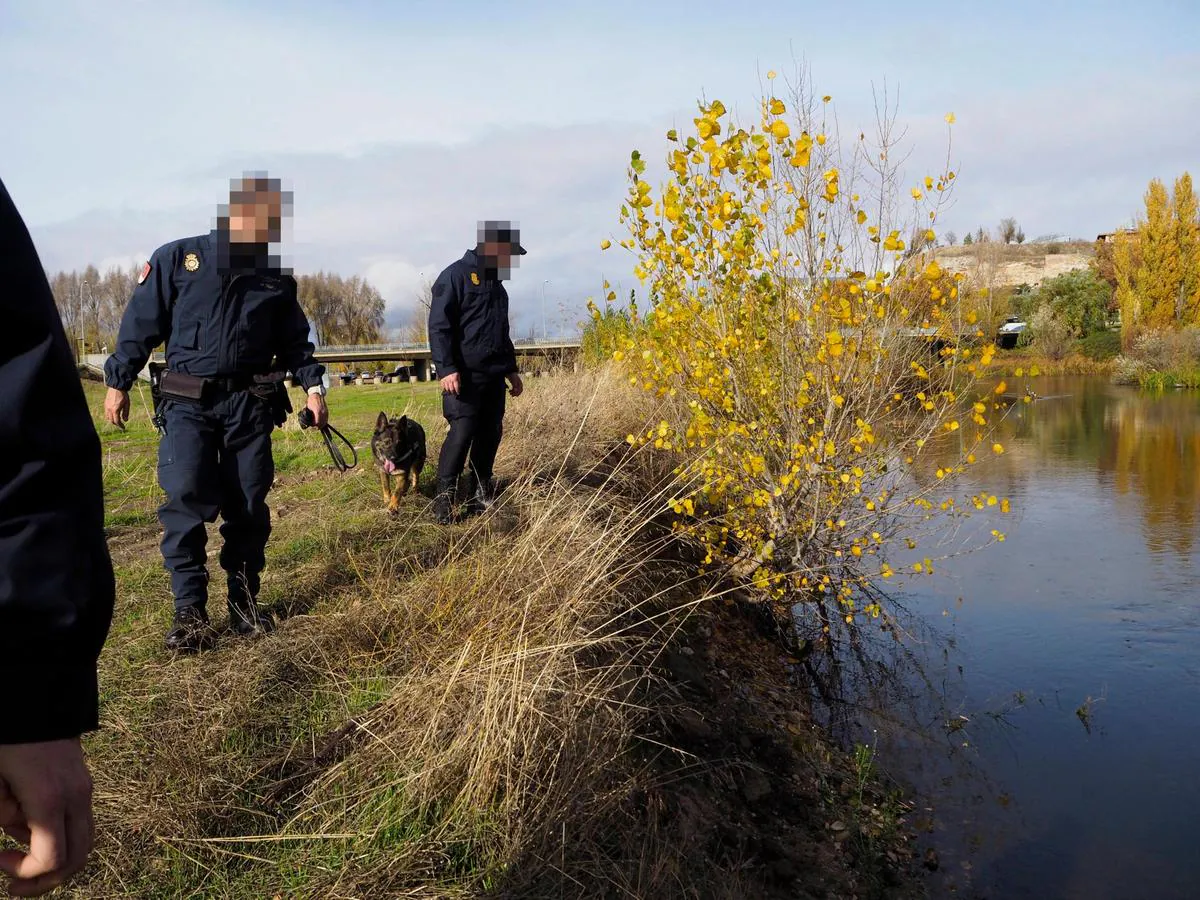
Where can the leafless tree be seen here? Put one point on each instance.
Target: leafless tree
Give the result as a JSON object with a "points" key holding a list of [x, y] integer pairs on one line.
{"points": [[415, 328]]}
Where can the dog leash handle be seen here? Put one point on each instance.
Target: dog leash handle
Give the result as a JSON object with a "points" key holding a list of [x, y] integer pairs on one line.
{"points": [[307, 420]]}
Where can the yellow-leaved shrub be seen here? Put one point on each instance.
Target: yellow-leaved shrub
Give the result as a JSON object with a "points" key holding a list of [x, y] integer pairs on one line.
{"points": [[816, 368]]}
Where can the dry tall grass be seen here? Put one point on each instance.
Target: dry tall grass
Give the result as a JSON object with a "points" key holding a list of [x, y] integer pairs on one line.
{"points": [[444, 713]]}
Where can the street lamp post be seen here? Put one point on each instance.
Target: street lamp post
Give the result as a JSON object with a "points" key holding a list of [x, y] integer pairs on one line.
{"points": [[544, 283]]}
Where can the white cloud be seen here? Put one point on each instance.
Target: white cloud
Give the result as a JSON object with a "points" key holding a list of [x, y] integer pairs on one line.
{"points": [[121, 263], [133, 116]]}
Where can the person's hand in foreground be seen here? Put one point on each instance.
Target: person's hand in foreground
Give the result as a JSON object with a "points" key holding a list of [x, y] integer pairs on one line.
{"points": [[46, 804]]}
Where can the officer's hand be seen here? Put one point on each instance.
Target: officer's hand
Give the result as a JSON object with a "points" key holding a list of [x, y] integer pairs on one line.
{"points": [[517, 385], [45, 802], [116, 407], [450, 384], [316, 405]]}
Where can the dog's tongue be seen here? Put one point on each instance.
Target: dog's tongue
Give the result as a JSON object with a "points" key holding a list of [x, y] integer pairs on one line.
{"points": [[389, 467]]}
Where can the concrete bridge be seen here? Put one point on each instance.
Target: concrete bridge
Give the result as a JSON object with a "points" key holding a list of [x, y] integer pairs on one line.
{"points": [[415, 357]]}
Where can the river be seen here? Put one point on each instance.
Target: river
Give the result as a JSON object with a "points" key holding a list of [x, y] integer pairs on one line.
{"points": [[1045, 704]]}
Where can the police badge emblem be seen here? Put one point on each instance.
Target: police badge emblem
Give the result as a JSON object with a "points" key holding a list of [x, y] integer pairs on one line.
{"points": [[191, 262], [144, 273]]}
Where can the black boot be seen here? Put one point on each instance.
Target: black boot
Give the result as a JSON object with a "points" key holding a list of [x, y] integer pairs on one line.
{"points": [[246, 617], [443, 500], [481, 496], [191, 631]]}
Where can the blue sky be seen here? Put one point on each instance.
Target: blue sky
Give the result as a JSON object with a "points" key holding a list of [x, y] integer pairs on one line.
{"points": [[400, 124]]}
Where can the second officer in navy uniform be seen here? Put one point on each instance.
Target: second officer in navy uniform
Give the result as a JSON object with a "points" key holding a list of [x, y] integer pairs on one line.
{"points": [[474, 355], [232, 324]]}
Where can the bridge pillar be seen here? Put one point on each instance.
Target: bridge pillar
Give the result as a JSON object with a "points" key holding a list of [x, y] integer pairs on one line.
{"points": [[422, 367]]}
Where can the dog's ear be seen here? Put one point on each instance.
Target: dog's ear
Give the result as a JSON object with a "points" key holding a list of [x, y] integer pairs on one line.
{"points": [[402, 424], [382, 422]]}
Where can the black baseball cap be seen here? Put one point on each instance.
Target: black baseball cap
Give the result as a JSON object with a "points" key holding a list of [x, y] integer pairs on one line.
{"points": [[501, 232]]}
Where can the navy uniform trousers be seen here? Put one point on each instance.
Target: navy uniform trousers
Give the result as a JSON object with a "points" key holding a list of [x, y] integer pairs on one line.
{"points": [[215, 458], [476, 419]]}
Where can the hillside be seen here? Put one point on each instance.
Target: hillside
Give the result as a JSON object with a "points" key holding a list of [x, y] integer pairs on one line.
{"points": [[1008, 265]]}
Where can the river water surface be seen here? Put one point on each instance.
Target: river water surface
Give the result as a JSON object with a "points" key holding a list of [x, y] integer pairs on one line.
{"points": [[1051, 724]]}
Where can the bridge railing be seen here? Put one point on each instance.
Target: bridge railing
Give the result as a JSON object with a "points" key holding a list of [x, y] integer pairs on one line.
{"points": [[423, 347], [373, 348]]}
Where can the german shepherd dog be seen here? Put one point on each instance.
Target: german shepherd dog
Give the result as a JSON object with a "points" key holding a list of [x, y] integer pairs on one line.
{"points": [[398, 446]]}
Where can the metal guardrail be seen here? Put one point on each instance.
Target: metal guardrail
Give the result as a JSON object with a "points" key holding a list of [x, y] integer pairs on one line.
{"points": [[423, 347]]}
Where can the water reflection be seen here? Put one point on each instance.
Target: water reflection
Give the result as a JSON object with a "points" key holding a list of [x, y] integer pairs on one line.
{"points": [[1092, 605], [1148, 446]]}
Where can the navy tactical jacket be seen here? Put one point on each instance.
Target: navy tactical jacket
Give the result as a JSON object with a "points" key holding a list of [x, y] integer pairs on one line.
{"points": [[218, 318], [468, 321], [56, 577]]}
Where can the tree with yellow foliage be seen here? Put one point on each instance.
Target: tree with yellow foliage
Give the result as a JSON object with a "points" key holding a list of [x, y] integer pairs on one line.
{"points": [[1186, 215], [1157, 271], [813, 387], [1159, 274]]}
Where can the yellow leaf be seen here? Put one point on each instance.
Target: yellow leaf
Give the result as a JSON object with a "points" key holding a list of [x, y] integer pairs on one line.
{"points": [[916, 194], [803, 151], [862, 217], [780, 130], [997, 448], [777, 107], [605, 244], [771, 74], [933, 271], [949, 118]]}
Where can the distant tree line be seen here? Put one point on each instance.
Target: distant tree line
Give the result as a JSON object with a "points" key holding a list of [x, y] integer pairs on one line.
{"points": [[90, 304], [342, 310], [1008, 232]]}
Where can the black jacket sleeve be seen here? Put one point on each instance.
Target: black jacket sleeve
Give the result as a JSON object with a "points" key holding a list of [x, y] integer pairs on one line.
{"points": [[508, 351], [444, 325], [145, 324], [56, 577], [295, 348]]}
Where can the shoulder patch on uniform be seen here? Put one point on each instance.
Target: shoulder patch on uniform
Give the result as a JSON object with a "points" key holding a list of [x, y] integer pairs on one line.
{"points": [[474, 278], [191, 262], [145, 273]]}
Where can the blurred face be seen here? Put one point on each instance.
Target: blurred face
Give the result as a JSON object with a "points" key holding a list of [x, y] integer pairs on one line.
{"points": [[499, 252], [255, 216]]}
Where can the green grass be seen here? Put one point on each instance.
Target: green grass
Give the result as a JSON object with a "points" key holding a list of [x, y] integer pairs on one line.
{"points": [[132, 494], [1169, 380]]}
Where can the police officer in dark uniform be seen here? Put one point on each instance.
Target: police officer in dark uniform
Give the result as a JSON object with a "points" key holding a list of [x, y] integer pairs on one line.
{"points": [[232, 325], [56, 578], [474, 355]]}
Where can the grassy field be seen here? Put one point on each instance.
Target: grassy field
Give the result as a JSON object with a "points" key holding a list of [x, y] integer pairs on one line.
{"points": [[539, 702], [132, 491]]}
